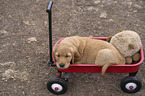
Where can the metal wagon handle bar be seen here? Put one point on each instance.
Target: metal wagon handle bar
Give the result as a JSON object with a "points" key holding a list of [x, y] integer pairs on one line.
{"points": [[48, 10]]}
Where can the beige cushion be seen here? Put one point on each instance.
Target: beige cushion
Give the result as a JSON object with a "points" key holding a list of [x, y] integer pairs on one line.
{"points": [[127, 42]]}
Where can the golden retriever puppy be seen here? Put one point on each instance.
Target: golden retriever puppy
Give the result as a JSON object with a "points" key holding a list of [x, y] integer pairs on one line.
{"points": [[84, 50]]}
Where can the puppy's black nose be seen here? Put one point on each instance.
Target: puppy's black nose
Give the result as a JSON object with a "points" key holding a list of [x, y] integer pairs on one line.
{"points": [[61, 65]]}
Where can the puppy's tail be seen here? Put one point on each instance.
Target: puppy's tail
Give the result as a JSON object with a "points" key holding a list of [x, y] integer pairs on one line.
{"points": [[104, 68]]}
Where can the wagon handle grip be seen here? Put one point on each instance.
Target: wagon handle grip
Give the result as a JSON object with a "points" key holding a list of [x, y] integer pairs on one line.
{"points": [[48, 10]]}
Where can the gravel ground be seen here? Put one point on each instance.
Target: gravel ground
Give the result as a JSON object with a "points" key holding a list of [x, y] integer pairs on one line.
{"points": [[24, 43]]}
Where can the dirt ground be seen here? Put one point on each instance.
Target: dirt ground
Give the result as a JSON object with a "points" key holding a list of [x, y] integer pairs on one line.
{"points": [[24, 43]]}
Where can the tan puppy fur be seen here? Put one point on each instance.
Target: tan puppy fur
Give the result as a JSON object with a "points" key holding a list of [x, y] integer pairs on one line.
{"points": [[84, 50]]}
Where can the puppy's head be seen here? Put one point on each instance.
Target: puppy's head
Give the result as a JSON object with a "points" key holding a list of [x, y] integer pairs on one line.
{"points": [[63, 55]]}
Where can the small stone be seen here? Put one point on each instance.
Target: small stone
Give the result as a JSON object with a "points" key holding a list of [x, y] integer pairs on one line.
{"points": [[1, 17], [23, 92], [97, 1], [134, 11], [32, 39], [115, 2], [111, 20], [93, 8], [103, 15], [138, 6], [10, 16], [45, 23], [9, 74], [37, 1], [3, 32], [3, 79], [28, 22], [90, 8]]}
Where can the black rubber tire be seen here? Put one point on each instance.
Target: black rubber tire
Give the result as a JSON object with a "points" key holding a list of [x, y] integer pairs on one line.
{"points": [[59, 81], [130, 79]]}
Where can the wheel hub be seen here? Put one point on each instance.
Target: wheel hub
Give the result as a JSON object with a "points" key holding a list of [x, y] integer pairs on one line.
{"points": [[131, 86], [57, 87]]}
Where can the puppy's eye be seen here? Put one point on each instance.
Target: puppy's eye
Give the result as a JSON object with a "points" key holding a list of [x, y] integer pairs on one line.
{"points": [[66, 56], [58, 55]]}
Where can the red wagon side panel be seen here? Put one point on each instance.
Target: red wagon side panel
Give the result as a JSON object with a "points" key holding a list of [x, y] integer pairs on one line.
{"points": [[90, 68], [80, 68]]}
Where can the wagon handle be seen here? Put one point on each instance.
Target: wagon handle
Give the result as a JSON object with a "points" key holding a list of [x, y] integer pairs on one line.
{"points": [[48, 10]]}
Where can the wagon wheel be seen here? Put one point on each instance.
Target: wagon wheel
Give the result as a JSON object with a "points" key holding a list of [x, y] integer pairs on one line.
{"points": [[130, 84], [57, 86]]}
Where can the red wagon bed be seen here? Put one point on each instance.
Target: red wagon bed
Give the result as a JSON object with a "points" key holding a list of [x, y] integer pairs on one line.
{"points": [[90, 68]]}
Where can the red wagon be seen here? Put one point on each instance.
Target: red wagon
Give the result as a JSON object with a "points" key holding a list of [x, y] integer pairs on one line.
{"points": [[57, 85]]}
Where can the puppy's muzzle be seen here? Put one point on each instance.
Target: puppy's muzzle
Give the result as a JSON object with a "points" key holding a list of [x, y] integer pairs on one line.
{"points": [[61, 65]]}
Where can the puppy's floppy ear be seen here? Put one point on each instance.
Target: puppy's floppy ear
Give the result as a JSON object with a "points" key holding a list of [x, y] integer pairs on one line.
{"points": [[76, 55], [72, 51], [54, 51]]}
